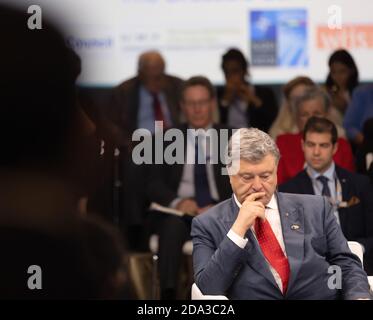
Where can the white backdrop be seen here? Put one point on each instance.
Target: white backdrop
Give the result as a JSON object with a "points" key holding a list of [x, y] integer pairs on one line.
{"points": [[193, 34]]}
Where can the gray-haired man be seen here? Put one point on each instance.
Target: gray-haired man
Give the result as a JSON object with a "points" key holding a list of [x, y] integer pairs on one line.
{"points": [[261, 244]]}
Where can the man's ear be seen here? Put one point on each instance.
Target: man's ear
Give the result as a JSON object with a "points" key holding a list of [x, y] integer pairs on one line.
{"points": [[335, 148], [214, 104], [302, 143]]}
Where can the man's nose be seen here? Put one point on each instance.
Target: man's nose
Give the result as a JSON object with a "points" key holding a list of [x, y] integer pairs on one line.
{"points": [[257, 184], [316, 150], [197, 107]]}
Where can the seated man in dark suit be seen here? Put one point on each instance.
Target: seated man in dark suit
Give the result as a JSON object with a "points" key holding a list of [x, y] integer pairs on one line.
{"points": [[351, 194], [191, 187], [313, 102], [263, 244], [152, 95]]}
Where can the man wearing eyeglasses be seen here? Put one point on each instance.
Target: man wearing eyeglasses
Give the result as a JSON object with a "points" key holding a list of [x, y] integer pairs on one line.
{"points": [[190, 187]]}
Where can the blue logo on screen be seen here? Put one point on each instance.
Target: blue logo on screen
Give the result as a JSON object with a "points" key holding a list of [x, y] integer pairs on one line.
{"points": [[279, 37], [89, 43]]}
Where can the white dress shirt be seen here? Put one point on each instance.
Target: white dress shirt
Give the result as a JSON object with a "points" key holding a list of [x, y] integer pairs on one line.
{"points": [[272, 214], [332, 184]]}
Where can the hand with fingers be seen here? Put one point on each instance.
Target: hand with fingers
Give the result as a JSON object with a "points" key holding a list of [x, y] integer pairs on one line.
{"points": [[188, 206], [251, 209]]}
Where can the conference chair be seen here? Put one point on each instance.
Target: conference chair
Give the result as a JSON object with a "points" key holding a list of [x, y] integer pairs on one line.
{"points": [[153, 245]]}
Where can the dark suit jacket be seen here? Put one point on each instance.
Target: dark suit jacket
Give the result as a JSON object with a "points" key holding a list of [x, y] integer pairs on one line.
{"points": [[222, 267], [164, 179], [356, 220], [124, 106], [260, 118]]}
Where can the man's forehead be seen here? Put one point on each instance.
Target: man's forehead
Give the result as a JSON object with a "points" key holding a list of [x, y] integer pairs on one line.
{"points": [[318, 137], [267, 163]]}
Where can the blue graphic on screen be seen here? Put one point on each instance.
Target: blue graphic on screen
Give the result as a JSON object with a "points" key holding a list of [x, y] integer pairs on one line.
{"points": [[279, 38]]}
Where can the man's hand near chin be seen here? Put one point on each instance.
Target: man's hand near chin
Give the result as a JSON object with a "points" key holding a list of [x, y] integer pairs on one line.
{"points": [[251, 209]]}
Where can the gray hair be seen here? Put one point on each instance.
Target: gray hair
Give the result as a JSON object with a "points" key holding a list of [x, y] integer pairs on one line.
{"points": [[252, 145], [311, 93]]}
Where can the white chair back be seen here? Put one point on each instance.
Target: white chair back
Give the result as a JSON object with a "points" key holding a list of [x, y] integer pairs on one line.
{"points": [[356, 248], [198, 295]]}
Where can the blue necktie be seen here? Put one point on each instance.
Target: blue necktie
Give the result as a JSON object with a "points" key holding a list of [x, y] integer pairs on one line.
{"points": [[201, 185], [325, 188]]}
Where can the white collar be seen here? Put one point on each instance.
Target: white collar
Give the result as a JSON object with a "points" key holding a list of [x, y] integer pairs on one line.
{"points": [[329, 173]]}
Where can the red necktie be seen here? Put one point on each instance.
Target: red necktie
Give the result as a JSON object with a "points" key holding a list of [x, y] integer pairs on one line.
{"points": [[158, 114], [272, 250]]}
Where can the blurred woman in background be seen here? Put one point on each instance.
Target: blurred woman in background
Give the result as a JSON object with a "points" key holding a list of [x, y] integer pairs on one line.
{"points": [[342, 79]]}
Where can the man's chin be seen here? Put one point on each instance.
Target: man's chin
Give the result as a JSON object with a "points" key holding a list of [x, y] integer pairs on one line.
{"points": [[318, 167]]}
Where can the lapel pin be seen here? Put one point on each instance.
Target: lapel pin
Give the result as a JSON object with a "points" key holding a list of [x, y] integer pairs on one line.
{"points": [[294, 227]]}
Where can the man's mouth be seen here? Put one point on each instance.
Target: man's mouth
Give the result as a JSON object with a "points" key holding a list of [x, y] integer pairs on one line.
{"points": [[316, 160]]}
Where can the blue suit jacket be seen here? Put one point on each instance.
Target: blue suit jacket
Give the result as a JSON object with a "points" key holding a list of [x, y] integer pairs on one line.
{"points": [[221, 267]]}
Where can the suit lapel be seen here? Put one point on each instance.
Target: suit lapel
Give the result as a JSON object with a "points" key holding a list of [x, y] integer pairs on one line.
{"points": [[292, 221], [217, 150], [307, 187], [178, 168], [346, 195]]}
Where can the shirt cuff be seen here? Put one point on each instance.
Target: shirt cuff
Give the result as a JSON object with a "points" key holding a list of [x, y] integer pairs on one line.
{"points": [[241, 242]]}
